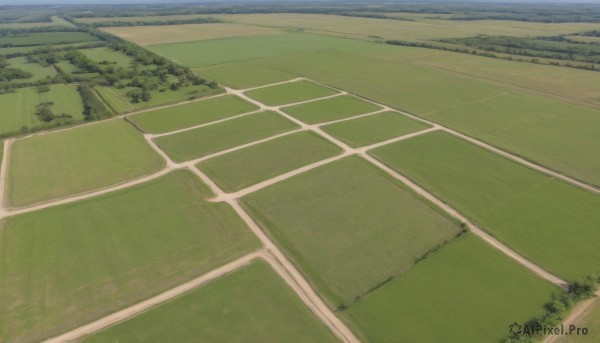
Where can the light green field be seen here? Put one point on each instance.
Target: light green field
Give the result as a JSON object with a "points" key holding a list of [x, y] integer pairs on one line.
{"points": [[331, 109], [115, 58], [66, 266], [348, 226], [63, 163], [206, 140], [251, 302], [557, 135], [144, 18], [67, 67], [290, 93], [114, 101], [549, 222], [243, 75], [252, 165], [591, 321], [47, 38], [39, 72], [19, 108], [373, 129], [55, 21], [466, 292], [169, 96], [188, 115]]}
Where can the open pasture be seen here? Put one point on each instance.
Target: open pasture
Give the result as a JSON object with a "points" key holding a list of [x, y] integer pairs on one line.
{"points": [[69, 265], [549, 222], [465, 292], [348, 226], [250, 302], [246, 167], [330, 109], [206, 140], [165, 34], [374, 129], [39, 72], [54, 21], [46, 38], [86, 158], [109, 56], [290, 93], [188, 115]]}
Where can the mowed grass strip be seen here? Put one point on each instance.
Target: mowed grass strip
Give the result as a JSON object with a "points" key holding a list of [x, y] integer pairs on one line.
{"points": [[348, 226], [66, 266], [550, 222], [243, 168], [73, 161], [291, 92], [465, 292], [117, 103], [330, 109], [251, 302], [187, 115], [206, 140], [374, 129]]}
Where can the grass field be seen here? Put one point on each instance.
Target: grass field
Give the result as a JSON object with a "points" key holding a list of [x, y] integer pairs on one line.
{"points": [[141, 18], [560, 136], [114, 101], [114, 58], [252, 165], [188, 115], [163, 34], [55, 21], [19, 108], [251, 302], [591, 321], [348, 226], [204, 141], [290, 93], [331, 109], [243, 75], [549, 222], [168, 96], [373, 129], [465, 292], [39, 72], [47, 38], [57, 164], [69, 265]]}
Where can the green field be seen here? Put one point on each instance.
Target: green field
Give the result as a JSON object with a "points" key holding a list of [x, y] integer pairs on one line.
{"points": [[114, 101], [188, 115], [549, 222], [69, 265], [63, 163], [206, 140], [330, 109], [54, 21], [168, 96], [466, 292], [19, 108], [348, 226], [252, 165], [557, 135], [251, 302], [39, 72], [243, 75], [591, 321], [46, 38], [290, 93], [108, 55], [373, 129]]}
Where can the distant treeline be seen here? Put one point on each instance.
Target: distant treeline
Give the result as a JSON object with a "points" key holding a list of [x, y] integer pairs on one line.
{"points": [[8, 31], [207, 20]]}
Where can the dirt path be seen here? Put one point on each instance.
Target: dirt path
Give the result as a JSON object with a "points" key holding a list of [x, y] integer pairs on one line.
{"points": [[578, 313], [4, 173]]}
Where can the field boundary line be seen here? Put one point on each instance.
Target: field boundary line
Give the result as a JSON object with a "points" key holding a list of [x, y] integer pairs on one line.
{"points": [[4, 173], [472, 227], [515, 158], [275, 84], [331, 122], [143, 306]]}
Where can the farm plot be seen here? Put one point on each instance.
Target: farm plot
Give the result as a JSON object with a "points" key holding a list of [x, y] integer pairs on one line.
{"points": [[167, 96], [187, 115], [243, 75], [46, 38], [550, 222], [39, 72], [206, 140], [63, 163], [291, 92], [251, 302], [330, 109], [108, 56], [348, 226], [82, 261], [465, 292], [374, 129], [243, 168], [114, 101], [557, 135]]}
